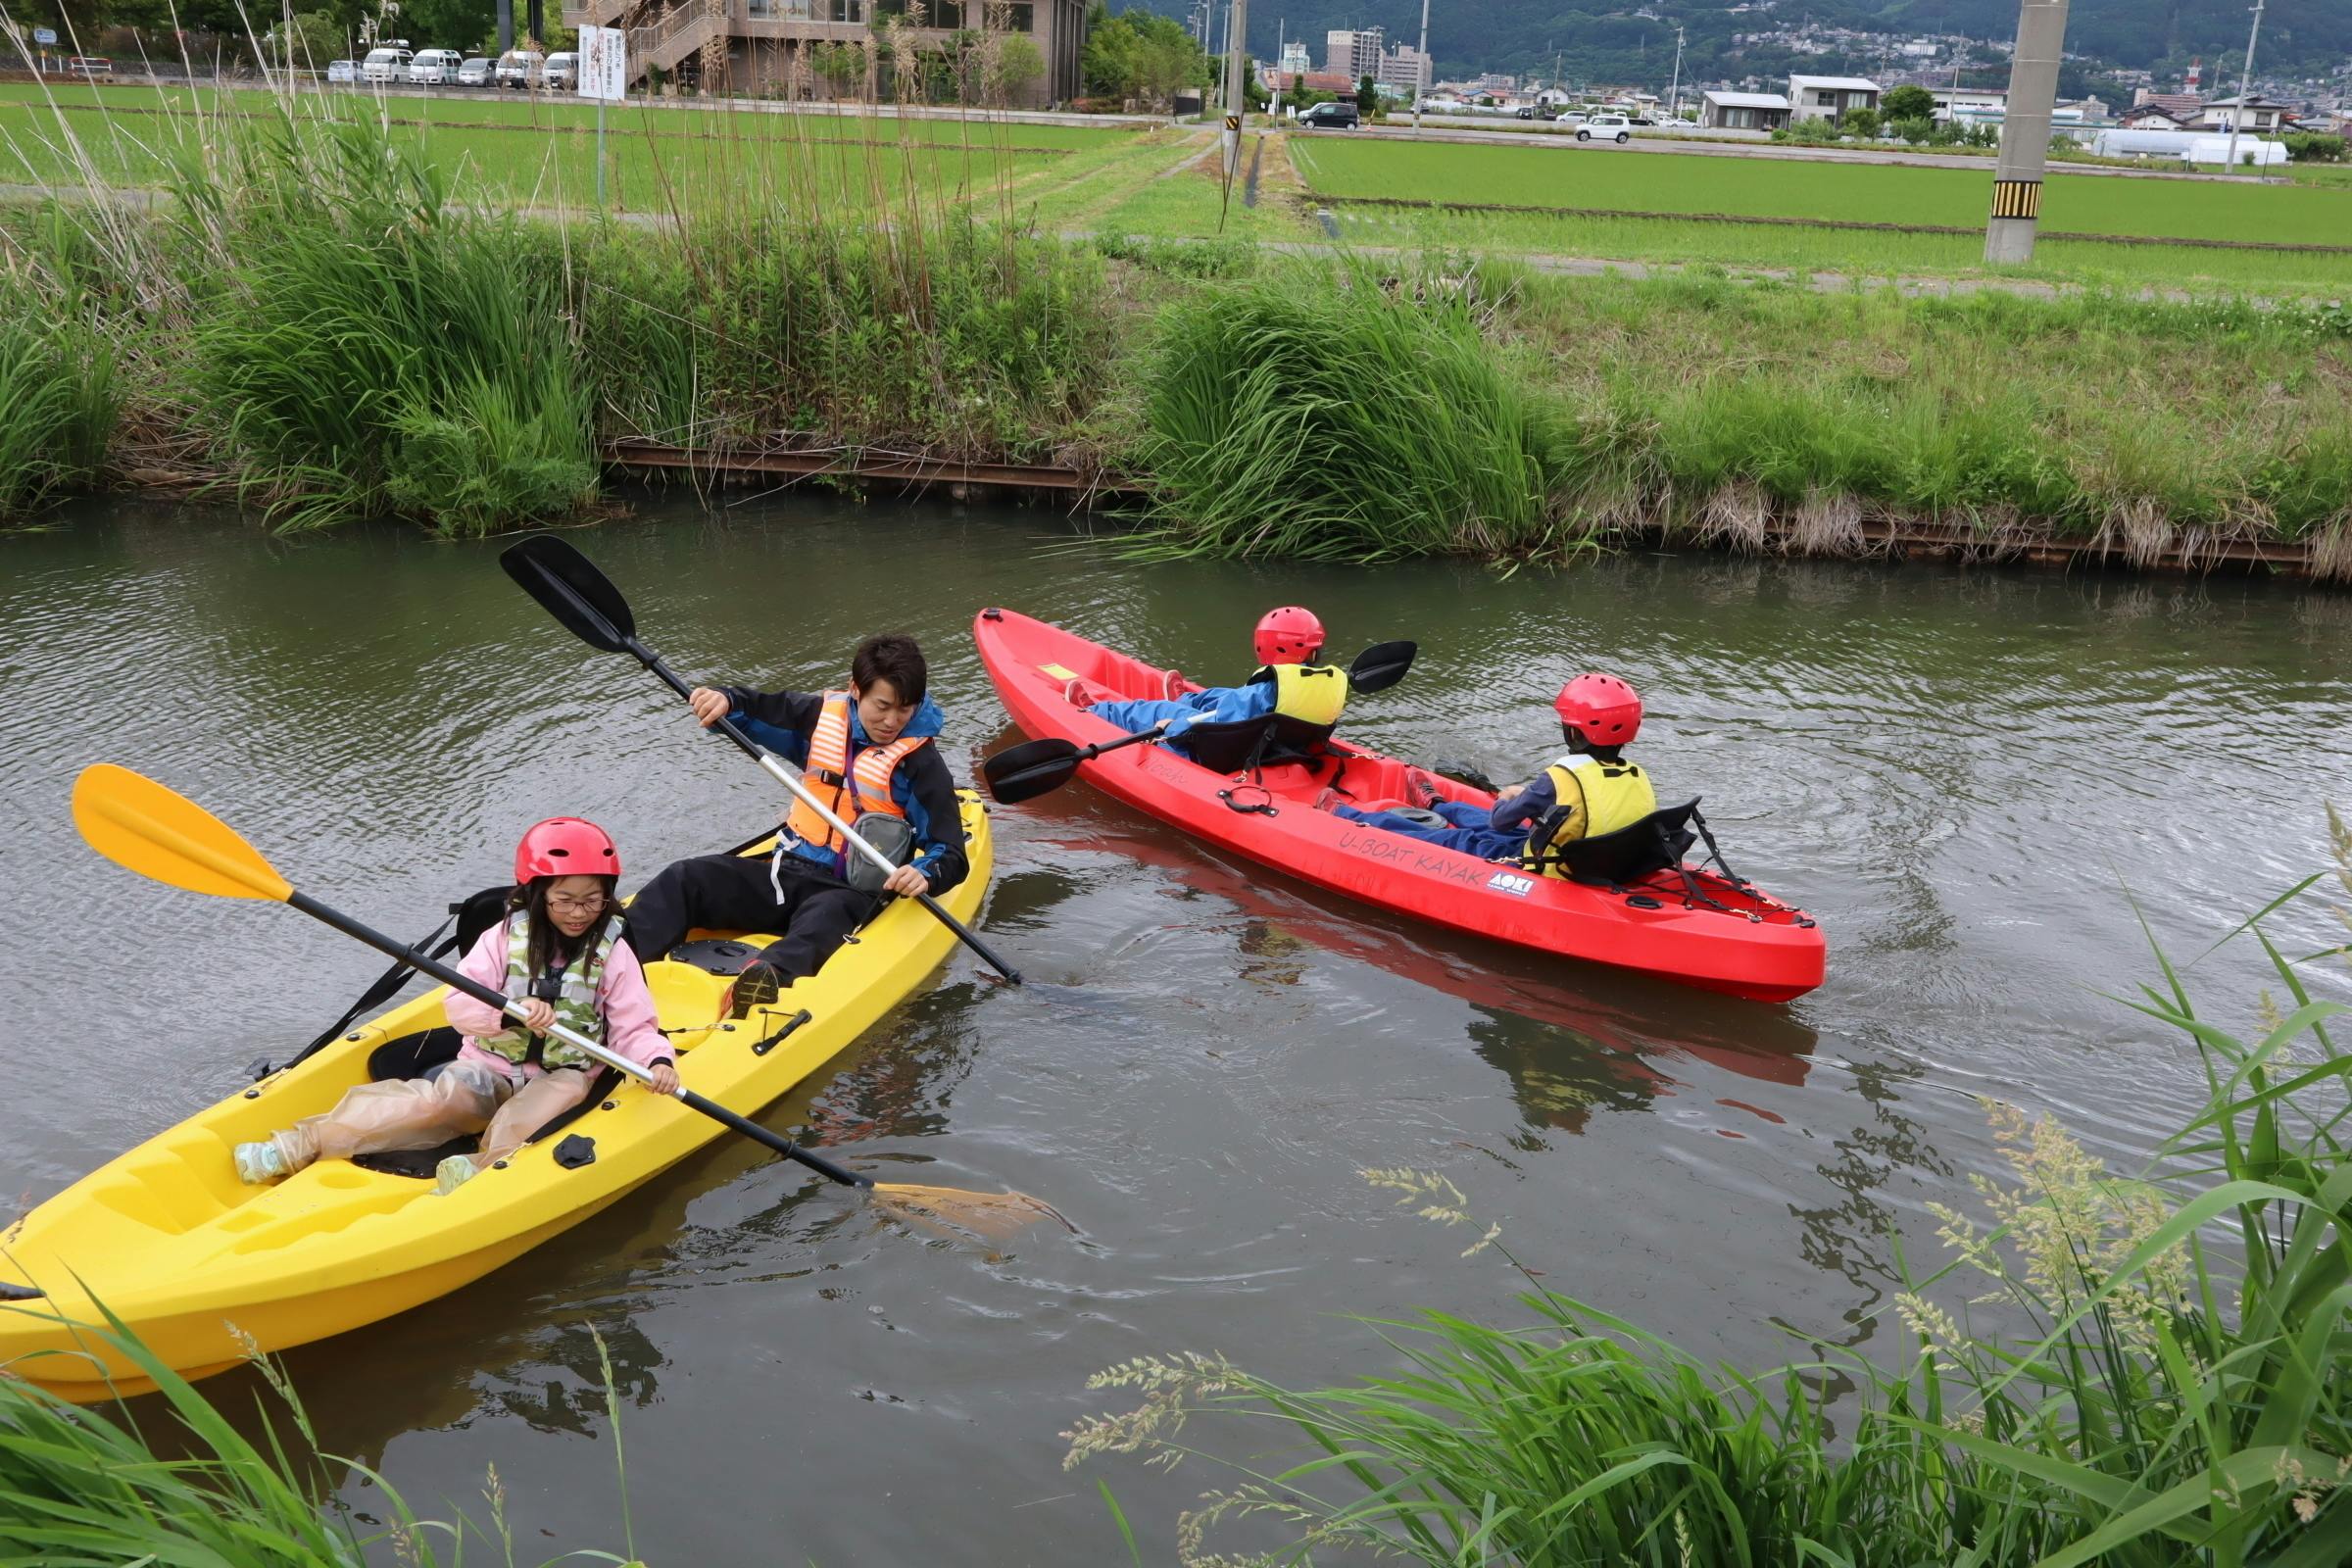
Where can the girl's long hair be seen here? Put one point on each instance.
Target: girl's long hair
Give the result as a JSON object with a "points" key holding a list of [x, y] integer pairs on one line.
{"points": [[549, 945]]}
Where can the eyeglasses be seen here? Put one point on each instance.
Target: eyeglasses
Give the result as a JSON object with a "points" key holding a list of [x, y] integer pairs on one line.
{"points": [[565, 903]]}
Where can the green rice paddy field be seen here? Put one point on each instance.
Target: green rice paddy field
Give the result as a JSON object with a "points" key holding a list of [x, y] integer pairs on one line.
{"points": [[1677, 188], [541, 153]]}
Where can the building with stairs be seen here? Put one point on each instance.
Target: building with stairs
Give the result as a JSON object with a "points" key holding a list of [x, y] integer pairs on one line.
{"points": [[826, 49]]}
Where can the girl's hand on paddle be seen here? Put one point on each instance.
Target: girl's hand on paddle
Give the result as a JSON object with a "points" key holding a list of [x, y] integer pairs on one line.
{"points": [[710, 707], [907, 882], [537, 1016], [665, 1080]]}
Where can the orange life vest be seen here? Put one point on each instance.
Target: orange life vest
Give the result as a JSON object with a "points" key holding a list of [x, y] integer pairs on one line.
{"points": [[849, 790]]}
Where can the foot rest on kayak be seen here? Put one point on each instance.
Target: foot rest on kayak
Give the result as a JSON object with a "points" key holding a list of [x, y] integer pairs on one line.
{"points": [[1656, 843]]}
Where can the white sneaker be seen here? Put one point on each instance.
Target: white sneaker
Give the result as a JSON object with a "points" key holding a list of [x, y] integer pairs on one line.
{"points": [[453, 1173], [259, 1164]]}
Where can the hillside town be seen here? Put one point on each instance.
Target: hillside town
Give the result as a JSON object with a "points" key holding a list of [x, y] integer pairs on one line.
{"points": [[1966, 77]]}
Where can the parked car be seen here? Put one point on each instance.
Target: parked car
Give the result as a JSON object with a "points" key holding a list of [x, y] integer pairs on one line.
{"points": [[561, 73], [520, 68], [1606, 128], [475, 72], [434, 68], [1339, 114], [384, 66], [1534, 112], [1675, 122], [342, 70], [89, 66]]}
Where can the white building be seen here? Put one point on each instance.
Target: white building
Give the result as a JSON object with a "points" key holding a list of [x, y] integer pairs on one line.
{"points": [[1408, 68], [1830, 97], [1295, 59], [1965, 103]]}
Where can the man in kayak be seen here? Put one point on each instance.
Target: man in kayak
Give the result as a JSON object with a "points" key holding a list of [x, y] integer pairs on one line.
{"points": [[1305, 697], [866, 753], [1590, 791]]}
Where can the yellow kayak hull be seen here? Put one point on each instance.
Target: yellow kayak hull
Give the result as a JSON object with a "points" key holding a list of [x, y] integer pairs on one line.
{"points": [[208, 1270]]}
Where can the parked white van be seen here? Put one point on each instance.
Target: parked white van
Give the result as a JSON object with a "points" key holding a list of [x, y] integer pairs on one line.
{"points": [[384, 66], [518, 68], [436, 67]]}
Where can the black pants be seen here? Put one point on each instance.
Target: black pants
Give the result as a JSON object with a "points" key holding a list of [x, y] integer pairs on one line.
{"points": [[730, 893]]}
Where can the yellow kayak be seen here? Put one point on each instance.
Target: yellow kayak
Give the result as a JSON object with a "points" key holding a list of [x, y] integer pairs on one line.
{"points": [[208, 1269]]}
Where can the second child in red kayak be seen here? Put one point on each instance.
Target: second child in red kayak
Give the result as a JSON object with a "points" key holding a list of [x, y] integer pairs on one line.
{"points": [[1590, 791]]}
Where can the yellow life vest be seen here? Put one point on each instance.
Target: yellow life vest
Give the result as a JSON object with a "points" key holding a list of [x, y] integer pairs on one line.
{"points": [[1308, 702], [851, 791], [1595, 797]]}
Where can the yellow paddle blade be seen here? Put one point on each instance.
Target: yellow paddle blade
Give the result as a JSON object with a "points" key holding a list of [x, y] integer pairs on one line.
{"points": [[160, 833], [992, 1216]]}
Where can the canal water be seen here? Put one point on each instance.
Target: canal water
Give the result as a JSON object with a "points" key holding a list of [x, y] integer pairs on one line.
{"points": [[1982, 782]]}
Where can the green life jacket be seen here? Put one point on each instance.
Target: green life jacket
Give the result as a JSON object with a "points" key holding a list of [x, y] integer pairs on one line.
{"points": [[576, 1006]]}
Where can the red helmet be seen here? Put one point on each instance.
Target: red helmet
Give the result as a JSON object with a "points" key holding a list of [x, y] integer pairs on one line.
{"points": [[1288, 636], [565, 846], [1602, 709]]}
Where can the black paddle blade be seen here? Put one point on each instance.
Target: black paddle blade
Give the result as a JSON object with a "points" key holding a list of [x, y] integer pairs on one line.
{"points": [[570, 588], [1030, 769], [1382, 666]]}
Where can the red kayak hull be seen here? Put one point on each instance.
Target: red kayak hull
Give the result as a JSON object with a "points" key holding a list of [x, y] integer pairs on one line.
{"points": [[1752, 946]]}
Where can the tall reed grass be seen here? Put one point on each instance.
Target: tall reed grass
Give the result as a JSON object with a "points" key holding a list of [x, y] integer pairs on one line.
{"points": [[83, 1488], [59, 392], [2165, 1379], [1346, 417]]}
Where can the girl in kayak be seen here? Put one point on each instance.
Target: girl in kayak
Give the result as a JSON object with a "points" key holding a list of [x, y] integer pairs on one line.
{"points": [[1304, 696], [1590, 791], [558, 951]]}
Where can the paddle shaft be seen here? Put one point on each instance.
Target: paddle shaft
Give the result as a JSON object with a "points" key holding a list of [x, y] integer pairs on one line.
{"points": [[785, 774], [480, 993]]}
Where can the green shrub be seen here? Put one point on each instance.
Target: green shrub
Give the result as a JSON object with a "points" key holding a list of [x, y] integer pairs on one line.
{"points": [[1358, 420]]}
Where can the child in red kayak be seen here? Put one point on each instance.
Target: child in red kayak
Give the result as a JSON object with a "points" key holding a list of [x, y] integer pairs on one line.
{"points": [[560, 951], [1304, 695]]}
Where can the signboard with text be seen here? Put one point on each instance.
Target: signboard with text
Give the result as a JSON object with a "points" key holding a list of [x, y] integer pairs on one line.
{"points": [[603, 64]]}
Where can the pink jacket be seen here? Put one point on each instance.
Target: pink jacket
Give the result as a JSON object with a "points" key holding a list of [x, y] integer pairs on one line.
{"points": [[631, 1029]]}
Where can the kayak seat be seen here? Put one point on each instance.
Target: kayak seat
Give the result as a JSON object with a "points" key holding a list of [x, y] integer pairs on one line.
{"points": [[1656, 843], [410, 1057], [1226, 746]]}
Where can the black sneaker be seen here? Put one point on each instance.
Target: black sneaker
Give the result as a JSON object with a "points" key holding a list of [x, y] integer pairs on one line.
{"points": [[758, 985]]}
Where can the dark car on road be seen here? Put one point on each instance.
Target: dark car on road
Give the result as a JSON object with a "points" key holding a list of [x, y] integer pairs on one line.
{"points": [[1339, 114]]}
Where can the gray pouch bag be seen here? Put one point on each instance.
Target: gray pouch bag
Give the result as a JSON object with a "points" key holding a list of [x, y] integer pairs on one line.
{"points": [[894, 836]]}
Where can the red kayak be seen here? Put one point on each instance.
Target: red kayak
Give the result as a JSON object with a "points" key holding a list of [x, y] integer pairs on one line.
{"points": [[1699, 927]]}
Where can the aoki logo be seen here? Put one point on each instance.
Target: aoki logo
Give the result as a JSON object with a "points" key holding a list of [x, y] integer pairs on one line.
{"points": [[1518, 887]]}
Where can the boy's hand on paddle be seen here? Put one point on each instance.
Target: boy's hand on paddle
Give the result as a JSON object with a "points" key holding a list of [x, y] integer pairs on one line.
{"points": [[710, 707], [537, 1016], [665, 1080], [907, 882]]}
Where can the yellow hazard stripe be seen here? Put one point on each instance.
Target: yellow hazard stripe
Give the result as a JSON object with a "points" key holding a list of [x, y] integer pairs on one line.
{"points": [[2017, 198]]}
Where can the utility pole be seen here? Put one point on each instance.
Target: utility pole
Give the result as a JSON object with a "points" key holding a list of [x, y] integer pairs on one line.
{"points": [[2026, 133], [1421, 69], [2237, 116], [1674, 94]]}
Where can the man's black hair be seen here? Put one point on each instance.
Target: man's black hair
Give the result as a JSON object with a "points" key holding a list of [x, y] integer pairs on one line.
{"points": [[892, 657], [1576, 742]]}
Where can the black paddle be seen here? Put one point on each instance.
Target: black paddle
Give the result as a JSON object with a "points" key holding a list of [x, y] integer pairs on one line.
{"points": [[1031, 768], [583, 600]]}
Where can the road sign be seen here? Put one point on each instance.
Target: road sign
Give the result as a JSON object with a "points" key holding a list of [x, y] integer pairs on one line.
{"points": [[45, 35], [603, 64], [1233, 121]]}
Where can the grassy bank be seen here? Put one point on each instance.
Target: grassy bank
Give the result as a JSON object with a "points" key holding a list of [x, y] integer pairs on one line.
{"points": [[324, 320], [179, 1482], [2151, 1371]]}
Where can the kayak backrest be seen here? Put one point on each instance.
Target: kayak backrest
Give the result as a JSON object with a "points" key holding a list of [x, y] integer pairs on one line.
{"points": [[1656, 843], [1226, 746]]}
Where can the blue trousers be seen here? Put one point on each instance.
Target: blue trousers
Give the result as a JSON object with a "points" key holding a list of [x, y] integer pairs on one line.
{"points": [[1469, 833]]}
